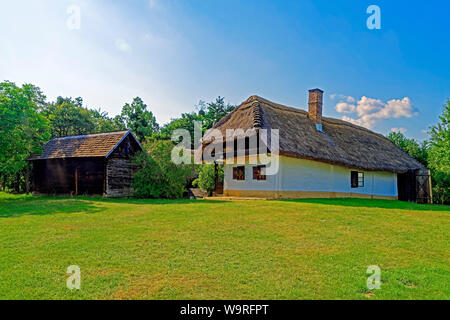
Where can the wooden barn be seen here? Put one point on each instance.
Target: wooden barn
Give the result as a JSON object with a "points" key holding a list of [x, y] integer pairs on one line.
{"points": [[94, 164]]}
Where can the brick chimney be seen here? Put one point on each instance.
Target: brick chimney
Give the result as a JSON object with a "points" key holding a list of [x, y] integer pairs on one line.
{"points": [[315, 107]]}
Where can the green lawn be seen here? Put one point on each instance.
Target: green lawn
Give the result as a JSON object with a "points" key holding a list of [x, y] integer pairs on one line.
{"points": [[155, 249]]}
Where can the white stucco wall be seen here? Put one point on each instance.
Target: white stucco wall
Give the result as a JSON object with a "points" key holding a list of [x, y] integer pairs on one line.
{"points": [[305, 175], [270, 184]]}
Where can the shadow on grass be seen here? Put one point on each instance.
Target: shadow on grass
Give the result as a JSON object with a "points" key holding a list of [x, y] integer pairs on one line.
{"points": [[17, 205], [375, 203], [10, 208]]}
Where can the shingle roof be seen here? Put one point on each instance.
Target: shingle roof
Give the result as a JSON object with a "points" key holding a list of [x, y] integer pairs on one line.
{"points": [[340, 142], [91, 145]]}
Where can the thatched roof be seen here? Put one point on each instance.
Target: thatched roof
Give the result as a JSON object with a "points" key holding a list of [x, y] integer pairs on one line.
{"points": [[91, 145], [340, 142]]}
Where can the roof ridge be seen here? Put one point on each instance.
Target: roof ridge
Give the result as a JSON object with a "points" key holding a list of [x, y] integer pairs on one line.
{"points": [[259, 99], [257, 120], [81, 146], [91, 135]]}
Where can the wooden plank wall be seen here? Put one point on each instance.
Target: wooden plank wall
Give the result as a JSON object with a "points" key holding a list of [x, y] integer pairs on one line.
{"points": [[65, 176], [120, 170], [119, 177]]}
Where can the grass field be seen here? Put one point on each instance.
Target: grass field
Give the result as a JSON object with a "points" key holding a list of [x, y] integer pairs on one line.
{"points": [[149, 249]]}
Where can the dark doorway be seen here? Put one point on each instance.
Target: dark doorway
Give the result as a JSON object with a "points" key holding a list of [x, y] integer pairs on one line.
{"points": [[89, 180], [407, 186], [218, 191]]}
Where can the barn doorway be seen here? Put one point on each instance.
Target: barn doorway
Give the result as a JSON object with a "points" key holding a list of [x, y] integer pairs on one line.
{"points": [[407, 186], [414, 186], [88, 176]]}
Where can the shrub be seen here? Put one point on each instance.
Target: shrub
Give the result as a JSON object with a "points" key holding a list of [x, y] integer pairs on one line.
{"points": [[441, 187], [207, 177], [158, 176]]}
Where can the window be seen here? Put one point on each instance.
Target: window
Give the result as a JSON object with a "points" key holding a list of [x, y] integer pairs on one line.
{"points": [[357, 179], [239, 173], [360, 179], [259, 173]]}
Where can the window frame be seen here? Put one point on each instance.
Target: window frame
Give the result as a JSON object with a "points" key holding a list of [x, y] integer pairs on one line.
{"points": [[243, 173], [357, 179], [263, 177]]}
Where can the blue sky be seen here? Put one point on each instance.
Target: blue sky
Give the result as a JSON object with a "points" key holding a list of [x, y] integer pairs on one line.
{"points": [[175, 53]]}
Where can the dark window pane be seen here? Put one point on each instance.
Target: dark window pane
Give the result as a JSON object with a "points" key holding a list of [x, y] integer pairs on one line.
{"points": [[354, 179], [239, 173]]}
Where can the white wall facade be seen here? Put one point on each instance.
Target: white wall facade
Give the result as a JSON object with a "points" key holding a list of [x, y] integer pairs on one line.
{"points": [[300, 175]]}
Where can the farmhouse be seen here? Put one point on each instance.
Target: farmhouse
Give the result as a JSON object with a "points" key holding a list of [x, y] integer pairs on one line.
{"points": [[318, 157], [98, 164]]}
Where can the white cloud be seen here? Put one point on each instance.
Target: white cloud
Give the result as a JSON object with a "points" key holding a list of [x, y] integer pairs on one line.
{"points": [[367, 106], [123, 46], [344, 107], [358, 122], [399, 108], [152, 3], [399, 130], [369, 111], [351, 99]]}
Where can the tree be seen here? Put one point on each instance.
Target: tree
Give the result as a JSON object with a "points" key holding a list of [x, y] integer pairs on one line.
{"points": [[208, 114], [23, 130], [103, 123], [215, 111], [68, 117], [185, 122], [118, 122], [411, 146], [158, 176], [439, 156], [137, 118]]}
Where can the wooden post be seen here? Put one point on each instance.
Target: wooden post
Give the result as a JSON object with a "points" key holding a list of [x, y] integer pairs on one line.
{"points": [[27, 178], [76, 181], [430, 187]]}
